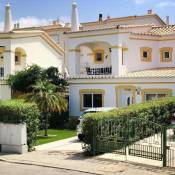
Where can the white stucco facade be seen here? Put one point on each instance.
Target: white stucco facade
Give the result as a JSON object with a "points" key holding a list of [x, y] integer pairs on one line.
{"points": [[22, 49], [123, 77]]}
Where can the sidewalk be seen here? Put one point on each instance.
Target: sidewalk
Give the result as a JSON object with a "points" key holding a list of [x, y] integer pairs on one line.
{"points": [[67, 154]]}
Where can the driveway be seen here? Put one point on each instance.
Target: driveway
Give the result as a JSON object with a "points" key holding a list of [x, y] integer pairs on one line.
{"points": [[68, 155]]}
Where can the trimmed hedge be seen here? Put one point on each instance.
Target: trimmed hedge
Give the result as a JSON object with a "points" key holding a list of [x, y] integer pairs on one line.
{"points": [[18, 111], [159, 111]]}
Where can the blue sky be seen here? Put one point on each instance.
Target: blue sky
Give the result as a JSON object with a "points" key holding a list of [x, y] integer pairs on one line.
{"points": [[41, 12]]}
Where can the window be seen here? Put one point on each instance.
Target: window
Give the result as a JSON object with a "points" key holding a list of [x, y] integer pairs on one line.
{"points": [[99, 56], [166, 54], [91, 98], [17, 59], [1, 72], [152, 94], [146, 54], [149, 96]]}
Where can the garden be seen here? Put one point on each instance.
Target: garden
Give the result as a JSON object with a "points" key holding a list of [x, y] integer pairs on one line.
{"points": [[40, 100]]}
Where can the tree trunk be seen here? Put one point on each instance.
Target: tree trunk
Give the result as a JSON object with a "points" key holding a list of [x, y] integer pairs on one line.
{"points": [[45, 125]]}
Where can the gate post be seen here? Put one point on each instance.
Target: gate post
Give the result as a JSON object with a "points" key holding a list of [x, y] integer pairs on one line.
{"points": [[164, 147]]}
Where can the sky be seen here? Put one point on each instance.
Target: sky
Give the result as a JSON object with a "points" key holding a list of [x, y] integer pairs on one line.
{"points": [[42, 12]]}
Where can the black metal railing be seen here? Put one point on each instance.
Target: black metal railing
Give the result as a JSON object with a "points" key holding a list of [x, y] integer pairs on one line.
{"points": [[99, 71]]}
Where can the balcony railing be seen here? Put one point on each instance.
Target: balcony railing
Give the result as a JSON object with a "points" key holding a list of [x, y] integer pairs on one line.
{"points": [[99, 71]]}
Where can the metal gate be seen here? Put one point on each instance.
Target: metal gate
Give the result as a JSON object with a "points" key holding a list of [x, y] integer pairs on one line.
{"points": [[170, 147], [130, 136]]}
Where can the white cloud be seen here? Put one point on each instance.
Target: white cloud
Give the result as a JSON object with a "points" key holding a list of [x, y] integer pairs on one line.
{"points": [[64, 19], [31, 21], [166, 4]]}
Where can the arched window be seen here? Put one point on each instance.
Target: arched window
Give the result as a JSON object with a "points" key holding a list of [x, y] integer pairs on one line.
{"points": [[20, 56]]}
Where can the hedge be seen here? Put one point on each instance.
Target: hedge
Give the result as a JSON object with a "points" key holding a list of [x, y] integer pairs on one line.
{"points": [[18, 111], [159, 111]]}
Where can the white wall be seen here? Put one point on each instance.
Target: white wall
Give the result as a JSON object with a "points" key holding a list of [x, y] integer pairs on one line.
{"points": [[110, 94], [5, 92], [133, 61], [13, 138], [39, 52], [136, 21]]}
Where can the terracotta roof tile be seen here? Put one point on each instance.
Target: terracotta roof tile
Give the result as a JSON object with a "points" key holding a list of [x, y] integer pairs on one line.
{"points": [[152, 73], [166, 30]]}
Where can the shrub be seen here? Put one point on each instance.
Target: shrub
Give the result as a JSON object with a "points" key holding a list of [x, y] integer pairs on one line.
{"points": [[159, 111], [57, 120], [17, 111], [72, 123]]}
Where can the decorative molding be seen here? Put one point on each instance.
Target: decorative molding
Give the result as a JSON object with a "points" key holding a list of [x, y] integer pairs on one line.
{"points": [[149, 54], [90, 91], [152, 39], [101, 51], [167, 91], [132, 88], [11, 51], [74, 50], [123, 83], [119, 47], [103, 34], [166, 49]]}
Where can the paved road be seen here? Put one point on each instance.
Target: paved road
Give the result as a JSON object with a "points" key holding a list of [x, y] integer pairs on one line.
{"points": [[18, 169]]}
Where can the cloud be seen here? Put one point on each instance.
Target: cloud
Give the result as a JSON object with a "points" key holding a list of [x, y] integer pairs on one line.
{"points": [[31, 21], [166, 4]]}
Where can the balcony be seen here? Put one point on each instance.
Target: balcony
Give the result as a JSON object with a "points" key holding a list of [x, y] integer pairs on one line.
{"points": [[99, 71]]}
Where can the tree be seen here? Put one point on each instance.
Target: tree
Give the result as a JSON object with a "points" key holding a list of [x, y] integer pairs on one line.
{"points": [[48, 100], [24, 81], [53, 76]]}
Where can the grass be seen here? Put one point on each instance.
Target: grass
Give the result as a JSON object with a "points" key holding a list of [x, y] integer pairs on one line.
{"points": [[55, 135]]}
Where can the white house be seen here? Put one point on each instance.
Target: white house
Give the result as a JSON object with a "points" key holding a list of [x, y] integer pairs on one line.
{"points": [[121, 61], [112, 62], [20, 49]]}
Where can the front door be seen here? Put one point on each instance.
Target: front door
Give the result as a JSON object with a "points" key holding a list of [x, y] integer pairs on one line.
{"points": [[126, 98]]}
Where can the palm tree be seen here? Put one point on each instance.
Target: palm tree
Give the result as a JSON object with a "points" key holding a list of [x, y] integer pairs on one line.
{"points": [[47, 99]]}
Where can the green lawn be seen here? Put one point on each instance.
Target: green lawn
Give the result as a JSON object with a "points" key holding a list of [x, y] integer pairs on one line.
{"points": [[55, 135]]}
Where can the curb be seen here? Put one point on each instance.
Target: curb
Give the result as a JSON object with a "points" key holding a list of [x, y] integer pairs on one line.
{"points": [[47, 166]]}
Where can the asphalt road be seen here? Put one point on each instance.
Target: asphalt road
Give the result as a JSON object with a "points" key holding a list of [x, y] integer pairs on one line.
{"points": [[18, 169]]}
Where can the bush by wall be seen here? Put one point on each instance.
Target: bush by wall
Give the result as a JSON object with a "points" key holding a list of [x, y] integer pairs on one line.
{"points": [[158, 111], [17, 111], [58, 120]]}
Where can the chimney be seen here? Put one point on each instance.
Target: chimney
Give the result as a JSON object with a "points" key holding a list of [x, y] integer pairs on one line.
{"points": [[8, 19], [167, 20], [100, 17], [16, 25], [55, 22], [74, 21], [150, 12], [108, 17]]}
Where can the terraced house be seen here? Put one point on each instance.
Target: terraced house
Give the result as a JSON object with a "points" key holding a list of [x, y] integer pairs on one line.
{"points": [[111, 62], [116, 62], [20, 49]]}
